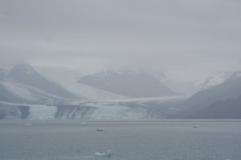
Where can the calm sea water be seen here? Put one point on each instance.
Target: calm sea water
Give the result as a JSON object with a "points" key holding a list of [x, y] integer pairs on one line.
{"points": [[146, 140]]}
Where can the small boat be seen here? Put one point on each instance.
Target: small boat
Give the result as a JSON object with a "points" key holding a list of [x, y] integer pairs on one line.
{"points": [[100, 130], [195, 126]]}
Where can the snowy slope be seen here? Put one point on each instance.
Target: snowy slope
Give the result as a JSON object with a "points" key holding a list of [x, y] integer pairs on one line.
{"points": [[27, 75], [28, 94], [21, 83], [89, 92], [19, 90], [69, 80]]}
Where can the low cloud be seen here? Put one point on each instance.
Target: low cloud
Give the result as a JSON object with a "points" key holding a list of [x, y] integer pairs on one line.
{"points": [[186, 37]]}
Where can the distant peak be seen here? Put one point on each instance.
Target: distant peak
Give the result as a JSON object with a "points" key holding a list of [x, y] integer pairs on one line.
{"points": [[23, 65], [26, 68]]}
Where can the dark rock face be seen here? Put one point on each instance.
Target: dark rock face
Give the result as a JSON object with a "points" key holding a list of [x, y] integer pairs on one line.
{"points": [[228, 109]]}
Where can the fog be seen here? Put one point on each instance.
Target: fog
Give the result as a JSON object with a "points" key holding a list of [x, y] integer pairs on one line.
{"points": [[187, 39]]}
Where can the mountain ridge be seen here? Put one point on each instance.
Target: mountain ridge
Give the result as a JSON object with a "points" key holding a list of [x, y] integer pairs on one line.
{"points": [[24, 84], [128, 83]]}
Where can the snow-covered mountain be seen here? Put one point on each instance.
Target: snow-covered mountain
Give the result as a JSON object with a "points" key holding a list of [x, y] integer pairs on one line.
{"points": [[214, 80], [219, 101], [178, 86], [26, 94], [128, 83], [25, 74], [22, 84]]}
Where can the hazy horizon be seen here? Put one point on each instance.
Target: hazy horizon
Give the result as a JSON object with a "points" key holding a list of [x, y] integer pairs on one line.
{"points": [[188, 40]]}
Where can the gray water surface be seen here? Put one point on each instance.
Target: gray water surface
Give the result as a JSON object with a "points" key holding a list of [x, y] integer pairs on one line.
{"points": [[147, 140]]}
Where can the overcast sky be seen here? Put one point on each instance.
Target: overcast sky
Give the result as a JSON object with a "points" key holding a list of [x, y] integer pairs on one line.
{"points": [[188, 38]]}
